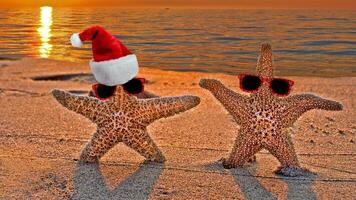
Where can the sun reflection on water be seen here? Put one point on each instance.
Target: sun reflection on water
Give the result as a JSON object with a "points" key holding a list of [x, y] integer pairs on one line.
{"points": [[45, 32]]}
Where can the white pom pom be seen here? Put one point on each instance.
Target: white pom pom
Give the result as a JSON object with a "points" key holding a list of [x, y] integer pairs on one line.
{"points": [[75, 40]]}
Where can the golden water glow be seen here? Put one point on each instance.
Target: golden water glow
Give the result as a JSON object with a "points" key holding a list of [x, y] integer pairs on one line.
{"points": [[44, 32], [251, 4]]}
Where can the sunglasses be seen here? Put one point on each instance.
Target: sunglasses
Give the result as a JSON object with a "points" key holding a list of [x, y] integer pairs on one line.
{"points": [[278, 86], [133, 87]]}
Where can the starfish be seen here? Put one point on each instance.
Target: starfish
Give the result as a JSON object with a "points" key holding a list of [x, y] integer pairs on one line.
{"points": [[123, 118], [264, 118]]}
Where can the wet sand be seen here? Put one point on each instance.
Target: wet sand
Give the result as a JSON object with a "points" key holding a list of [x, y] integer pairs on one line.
{"points": [[40, 142]]}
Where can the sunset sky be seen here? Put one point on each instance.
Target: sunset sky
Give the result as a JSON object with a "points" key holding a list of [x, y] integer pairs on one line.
{"points": [[348, 4]]}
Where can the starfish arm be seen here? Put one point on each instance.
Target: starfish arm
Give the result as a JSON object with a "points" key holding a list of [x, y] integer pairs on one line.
{"points": [[121, 98], [245, 147], [233, 102], [99, 144], [91, 93], [301, 103], [156, 108], [141, 142], [84, 105], [282, 148]]}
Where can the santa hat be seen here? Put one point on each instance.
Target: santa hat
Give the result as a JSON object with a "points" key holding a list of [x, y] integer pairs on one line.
{"points": [[112, 62]]}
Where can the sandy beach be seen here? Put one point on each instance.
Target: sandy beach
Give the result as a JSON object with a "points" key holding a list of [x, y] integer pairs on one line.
{"points": [[40, 142]]}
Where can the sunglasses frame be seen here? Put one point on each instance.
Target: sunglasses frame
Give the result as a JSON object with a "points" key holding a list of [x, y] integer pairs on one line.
{"points": [[95, 89], [269, 81]]}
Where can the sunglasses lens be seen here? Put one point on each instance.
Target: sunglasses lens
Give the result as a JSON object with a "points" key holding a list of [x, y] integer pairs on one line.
{"points": [[104, 91], [280, 86], [134, 86], [250, 83]]}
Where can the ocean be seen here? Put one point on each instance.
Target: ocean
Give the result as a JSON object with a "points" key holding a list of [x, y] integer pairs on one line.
{"points": [[305, 42]]}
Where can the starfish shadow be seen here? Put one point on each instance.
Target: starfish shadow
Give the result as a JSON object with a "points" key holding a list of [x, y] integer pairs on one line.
{"points": [[300, 188], [248, 183], [89, 183]]}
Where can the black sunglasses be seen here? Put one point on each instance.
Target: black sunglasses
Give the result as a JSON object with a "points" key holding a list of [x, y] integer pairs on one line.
{"points": [[278, 86], [133, 87]]}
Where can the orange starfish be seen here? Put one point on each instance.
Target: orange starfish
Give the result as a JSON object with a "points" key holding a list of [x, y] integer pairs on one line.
{"points": [[123, 119], [264, 117]]}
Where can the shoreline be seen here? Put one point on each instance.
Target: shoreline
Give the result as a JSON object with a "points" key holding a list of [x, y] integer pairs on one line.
{"points": [[244, 71]]}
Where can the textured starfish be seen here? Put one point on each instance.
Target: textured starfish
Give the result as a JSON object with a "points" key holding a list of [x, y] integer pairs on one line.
{"points": [[264, 118], [124, 119]]}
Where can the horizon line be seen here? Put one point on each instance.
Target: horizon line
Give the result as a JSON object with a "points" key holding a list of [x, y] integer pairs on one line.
{"points": [[187, 7]]}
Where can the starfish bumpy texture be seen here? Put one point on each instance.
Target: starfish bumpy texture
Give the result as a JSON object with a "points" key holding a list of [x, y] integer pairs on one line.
{"points": [[264, 118], [123, 118]]}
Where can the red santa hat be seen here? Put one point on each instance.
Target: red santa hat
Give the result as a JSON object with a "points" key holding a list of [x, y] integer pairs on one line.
{"points": [[112, 62]]}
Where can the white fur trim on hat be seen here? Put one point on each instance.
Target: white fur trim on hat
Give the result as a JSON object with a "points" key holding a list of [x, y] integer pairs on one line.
{"points": [[75, 40], [116, 71]]}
